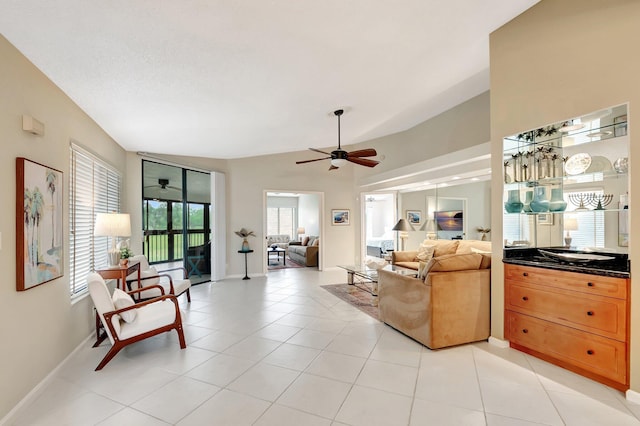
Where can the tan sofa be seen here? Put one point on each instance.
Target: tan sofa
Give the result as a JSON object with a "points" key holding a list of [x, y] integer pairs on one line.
{"points": [[451, 306]]}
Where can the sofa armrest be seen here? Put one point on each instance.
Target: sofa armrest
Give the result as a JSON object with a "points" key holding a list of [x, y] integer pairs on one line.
{"points": [[295, 243], [403, 256]]}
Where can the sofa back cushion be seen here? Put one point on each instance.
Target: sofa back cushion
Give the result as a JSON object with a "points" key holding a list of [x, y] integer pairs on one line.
{"points": [[473, 246], [454, 262], [442, 247], [425, 253], [305, 241], [282, 238]]}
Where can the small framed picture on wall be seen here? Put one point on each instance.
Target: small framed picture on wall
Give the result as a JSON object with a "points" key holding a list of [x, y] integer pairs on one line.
{"points": [[414, 217], [340, 217], [545, 218]]}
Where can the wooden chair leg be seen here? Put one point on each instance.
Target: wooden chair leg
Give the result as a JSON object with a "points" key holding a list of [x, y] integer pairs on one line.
{"points": [[188, 296], [109, 356]]}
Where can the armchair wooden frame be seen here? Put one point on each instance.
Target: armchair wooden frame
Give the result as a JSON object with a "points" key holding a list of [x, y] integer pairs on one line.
{"points": [[118, 343], [160, 275]]}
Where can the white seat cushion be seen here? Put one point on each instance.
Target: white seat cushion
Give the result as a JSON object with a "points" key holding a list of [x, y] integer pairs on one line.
{"points": [[149, 318], [179, 286]]}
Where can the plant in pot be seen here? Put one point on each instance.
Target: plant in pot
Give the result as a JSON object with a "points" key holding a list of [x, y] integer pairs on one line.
{"points": [[125, 254], [244, 233]]}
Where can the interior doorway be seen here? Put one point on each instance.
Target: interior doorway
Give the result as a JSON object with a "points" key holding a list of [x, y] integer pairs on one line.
{"points": [[379, 213], [176, 214], [292, 219]]}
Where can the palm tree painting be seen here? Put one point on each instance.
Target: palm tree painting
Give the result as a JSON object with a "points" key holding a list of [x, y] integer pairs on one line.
{"points": [[39, 224]]}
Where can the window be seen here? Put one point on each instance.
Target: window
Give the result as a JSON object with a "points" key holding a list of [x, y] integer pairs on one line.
{"points": [[94, 187], [280, 221]]}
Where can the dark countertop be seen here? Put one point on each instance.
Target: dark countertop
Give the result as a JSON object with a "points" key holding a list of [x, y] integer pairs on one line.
{"points": [[618, 267]]}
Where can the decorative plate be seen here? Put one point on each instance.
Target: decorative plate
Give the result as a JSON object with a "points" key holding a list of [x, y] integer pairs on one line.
{"points": [[599, 164], [600, 134], [577, 163]]}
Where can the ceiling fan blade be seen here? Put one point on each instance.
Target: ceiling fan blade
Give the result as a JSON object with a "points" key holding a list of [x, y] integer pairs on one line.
{"points": [[333, 167], [369, 152], [310, 161], [363, 161], [321, 152]]}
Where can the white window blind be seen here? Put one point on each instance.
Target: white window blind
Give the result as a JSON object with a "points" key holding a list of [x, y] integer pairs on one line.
{"points": [[94, 187]]}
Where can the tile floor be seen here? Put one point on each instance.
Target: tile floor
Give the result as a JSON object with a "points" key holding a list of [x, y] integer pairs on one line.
{"points": [[282, 351]]}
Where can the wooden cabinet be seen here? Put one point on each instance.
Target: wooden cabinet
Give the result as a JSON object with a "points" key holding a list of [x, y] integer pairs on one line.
{"points": [[575, 320]]}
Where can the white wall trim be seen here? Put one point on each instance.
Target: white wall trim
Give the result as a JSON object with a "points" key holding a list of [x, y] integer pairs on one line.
{"points": [[633, 396], [494, 341], [37, 389]]}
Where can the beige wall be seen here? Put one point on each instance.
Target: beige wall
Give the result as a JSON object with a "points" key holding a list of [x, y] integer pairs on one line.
{"points": [[558, 60], [38, 327]]}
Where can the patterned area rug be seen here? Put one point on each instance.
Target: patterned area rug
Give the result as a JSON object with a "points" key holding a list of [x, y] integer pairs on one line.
{"points": [[353, 295], [273, 264]]}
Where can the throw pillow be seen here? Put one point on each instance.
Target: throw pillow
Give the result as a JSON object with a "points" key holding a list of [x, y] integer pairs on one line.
{"points": [[422, 270], [454, 262], [486, 257], [442, 247], [123, 300], [316, 242], [425, 253], [305, 241]]}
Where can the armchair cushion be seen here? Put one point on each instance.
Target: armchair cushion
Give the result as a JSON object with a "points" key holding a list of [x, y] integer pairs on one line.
{"points": [[149, 317], [123, 300]]}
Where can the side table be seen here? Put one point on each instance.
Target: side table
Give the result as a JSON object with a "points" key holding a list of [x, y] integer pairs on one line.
{"points": [[246, 276]]}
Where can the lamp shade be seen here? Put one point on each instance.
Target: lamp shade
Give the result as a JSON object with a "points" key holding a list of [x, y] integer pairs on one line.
{"points": [[571, 224], [429, 226], [112, 225], [301, 230], [403, 225]]}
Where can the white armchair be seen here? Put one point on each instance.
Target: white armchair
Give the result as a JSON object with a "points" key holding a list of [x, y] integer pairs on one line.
{"points": [[150, 277], [126, 322]]}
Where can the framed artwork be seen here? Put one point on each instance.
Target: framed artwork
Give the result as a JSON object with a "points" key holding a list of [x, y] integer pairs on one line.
{"points": [[545, 218], [39, 242], [339, 217], [620, 125], [414, 217], [451, 220]]}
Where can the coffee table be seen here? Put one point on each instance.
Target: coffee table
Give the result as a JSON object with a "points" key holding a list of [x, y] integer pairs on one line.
{"points": [[366, 278], [279, 252]]}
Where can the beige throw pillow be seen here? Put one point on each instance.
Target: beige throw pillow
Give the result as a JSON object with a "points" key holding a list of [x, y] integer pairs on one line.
{"points": [[425, 253], [486, 257], [123, 300], [422, 270], [442, 247]]}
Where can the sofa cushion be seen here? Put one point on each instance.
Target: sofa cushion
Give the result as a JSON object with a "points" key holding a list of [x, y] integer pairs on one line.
{"points": [[442, 247], [422, 270], [454, 262], [486, 257], [305, 241], [410, 265], [468, 246], [316, 243], [425, 253]]}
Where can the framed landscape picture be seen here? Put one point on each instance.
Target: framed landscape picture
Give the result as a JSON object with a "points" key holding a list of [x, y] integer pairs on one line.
{"points": [[339, 217], [39, 242], [414, 217]]}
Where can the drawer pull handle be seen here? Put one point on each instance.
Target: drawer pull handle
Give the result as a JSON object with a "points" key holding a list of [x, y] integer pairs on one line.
{"points": [[525, 298], [590, 313], [590, 352], [525, 274], [525, 331], [590, 284]]}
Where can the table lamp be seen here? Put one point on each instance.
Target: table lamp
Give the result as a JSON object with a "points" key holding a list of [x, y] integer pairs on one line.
{"points": [[113, 225], [570, 224], [300, 232], [430, 227], [403, 226]]}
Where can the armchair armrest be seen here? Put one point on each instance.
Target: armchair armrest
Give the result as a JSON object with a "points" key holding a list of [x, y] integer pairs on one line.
{"points": [[179, 268], [403, 256], [141, 289]]}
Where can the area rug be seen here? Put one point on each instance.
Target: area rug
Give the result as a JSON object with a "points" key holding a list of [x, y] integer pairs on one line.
{"points": [[272, 265], [354, 296]]}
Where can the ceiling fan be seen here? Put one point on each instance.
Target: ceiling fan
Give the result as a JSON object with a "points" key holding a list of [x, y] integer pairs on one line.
{"points": [[340, 157], [163, 184]]}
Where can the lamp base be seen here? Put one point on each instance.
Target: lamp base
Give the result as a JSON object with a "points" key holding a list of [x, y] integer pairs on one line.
{"points": [[114, 258], [567, 241]]}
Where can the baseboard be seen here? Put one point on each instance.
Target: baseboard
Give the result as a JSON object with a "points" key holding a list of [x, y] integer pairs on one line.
{"points": [[633, 396], [37, 390], [498, 342]]}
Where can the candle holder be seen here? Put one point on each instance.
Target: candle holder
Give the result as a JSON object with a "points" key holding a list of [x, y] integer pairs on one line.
{"points": [[600, 201], [579, 200]]}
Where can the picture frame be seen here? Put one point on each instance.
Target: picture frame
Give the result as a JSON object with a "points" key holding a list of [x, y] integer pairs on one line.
{"points": [[340, 217], [545, 219], [414, 217], [39, 223], [620, 125]]}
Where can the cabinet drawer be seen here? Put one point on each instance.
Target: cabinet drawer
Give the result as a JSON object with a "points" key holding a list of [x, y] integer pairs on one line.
{"points": [[584, 283], [605, 316], [596, 354]]}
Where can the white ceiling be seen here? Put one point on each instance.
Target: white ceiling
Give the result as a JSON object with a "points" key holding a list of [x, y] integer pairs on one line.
{"points": [[238, 78]]}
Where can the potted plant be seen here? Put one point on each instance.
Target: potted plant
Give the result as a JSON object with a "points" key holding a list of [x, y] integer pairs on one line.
{"points": [[483, 231], [244, 233], [125, 254]]}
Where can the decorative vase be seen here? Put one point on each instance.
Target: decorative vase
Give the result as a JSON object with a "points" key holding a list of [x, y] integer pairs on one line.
{"points": [[513, 204], [245, 245], [124, 262], [557, 203], [528, 196], [539, 204]]}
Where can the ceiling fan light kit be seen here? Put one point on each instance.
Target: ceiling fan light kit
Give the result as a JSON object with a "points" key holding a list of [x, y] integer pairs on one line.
{"points": [[340, 157]]}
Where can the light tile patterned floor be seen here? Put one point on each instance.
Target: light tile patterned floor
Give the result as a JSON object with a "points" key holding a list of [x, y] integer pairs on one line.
{"points": [[282, 351]]}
